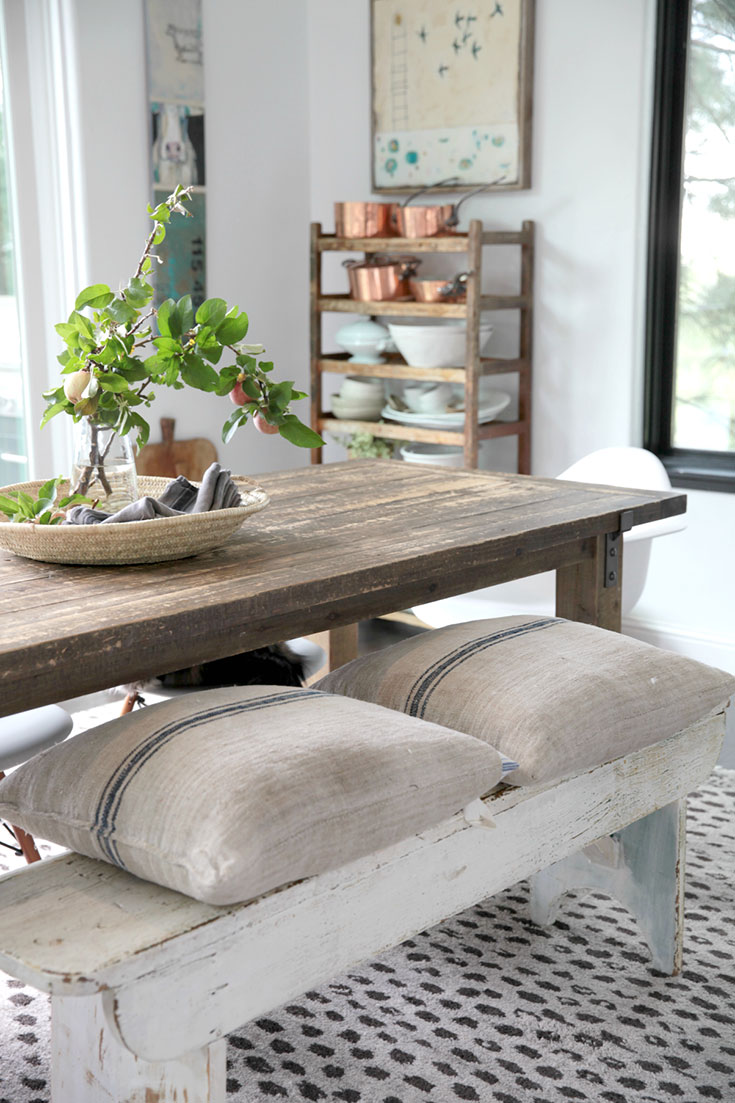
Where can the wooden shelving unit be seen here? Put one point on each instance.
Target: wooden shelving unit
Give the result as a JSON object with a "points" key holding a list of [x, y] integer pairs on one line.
{"points": [[472, 244]]}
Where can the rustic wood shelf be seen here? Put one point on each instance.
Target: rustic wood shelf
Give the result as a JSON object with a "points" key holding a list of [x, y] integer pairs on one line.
{"points": [[471, 244]]}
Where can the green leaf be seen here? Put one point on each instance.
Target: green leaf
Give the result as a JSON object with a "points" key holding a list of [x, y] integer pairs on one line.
{"points": [[186, 313], [82, 324], [24, 499], [41, 504], [227, 379], [113, 382], [295, 432], [121, 312], [133, 369], [67, 331], [266, 365], [212, 352], [251, 388], [52, 411], [211, 312], [279, 396], [138, 422], [197, 374], [138, 292], [48, 490], [234, 421], [233, 328], [97, 296], [175, 322], [165, 311], [8, 506], [73, 500]]}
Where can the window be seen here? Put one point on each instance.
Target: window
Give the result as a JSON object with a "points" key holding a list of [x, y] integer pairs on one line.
{"points": [[13, 455], [690, 338]]}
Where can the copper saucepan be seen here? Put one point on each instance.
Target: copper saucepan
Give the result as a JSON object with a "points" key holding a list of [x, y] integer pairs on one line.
{"points": [[427, 290], [380, 278], [435, 219], [364, 219]]}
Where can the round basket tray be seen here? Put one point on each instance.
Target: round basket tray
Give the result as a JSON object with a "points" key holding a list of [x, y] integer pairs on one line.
{"points": [[154, 541]]}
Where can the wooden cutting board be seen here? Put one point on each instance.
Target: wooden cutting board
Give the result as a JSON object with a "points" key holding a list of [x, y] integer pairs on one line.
{"points": [[170, 458]]}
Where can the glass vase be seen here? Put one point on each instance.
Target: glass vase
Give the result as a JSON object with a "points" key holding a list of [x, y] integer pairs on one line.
{"points": [[104, 465]]}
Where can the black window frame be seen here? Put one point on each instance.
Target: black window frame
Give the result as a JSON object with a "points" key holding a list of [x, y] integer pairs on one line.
{"points": [[686, 467]]}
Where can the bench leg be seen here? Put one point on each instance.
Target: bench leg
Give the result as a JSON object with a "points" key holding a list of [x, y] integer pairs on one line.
{"points": [[90, 1064], [642, 866]]}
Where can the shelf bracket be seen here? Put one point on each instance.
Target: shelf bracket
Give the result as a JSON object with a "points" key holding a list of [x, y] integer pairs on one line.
{"points": [[612, 548]]}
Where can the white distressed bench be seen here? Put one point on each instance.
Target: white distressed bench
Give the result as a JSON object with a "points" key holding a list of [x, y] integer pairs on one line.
{"points": [[146, 983]]}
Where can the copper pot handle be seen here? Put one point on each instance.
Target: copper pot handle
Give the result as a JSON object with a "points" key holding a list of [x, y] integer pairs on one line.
{"points": [[454, 216], [430, 187], [453, 287]]}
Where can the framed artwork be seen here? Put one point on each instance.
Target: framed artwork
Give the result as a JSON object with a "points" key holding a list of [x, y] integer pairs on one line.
{"points": [[451, 93], [176, 98]]}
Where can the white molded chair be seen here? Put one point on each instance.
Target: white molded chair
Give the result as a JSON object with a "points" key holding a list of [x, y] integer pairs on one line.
{"points": [[634, 468], [22, 736]]}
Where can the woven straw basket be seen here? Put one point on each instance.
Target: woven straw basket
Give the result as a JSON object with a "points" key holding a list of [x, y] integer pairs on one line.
{"points": [[155, 541]]}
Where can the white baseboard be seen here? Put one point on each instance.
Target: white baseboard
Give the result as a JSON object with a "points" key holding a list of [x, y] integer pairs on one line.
{"points": [[713, 650]]}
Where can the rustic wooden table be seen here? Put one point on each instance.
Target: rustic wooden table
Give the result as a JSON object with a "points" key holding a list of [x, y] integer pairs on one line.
{"points": [[338, 543]]}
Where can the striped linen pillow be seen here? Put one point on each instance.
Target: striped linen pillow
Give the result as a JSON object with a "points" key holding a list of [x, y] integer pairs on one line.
{"points": [[226, 794], [555, 695]]}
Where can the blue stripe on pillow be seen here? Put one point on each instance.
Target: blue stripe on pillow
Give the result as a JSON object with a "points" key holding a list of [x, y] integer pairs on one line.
{"points": [[107, 807], [420, 692]]}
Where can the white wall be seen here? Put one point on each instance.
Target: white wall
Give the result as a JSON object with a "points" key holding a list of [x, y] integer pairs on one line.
{"points": [[256, 133]]}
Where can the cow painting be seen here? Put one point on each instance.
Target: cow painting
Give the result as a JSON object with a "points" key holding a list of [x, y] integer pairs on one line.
{"points": [[176, 158]]}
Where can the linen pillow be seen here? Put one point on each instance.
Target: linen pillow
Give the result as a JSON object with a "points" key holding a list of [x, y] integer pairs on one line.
{"points": [[225, 794], [555, 695]]}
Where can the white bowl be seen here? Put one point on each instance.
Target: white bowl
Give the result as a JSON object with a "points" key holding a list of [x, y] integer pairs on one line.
{"points": [[435, 346], [355, 387], [442, 455], [356, 409], [427, 398]]}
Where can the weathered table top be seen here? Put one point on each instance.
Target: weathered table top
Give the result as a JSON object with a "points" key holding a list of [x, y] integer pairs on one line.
{"points": [[337, 544]]}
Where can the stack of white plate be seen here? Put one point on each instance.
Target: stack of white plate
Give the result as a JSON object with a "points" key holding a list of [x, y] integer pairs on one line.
{"points": [[492, 403], [359, 399]]}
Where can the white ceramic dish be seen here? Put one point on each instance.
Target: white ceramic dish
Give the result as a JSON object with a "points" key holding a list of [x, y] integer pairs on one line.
{"points": [[493, 404], [435, 346], [356, 387], [427, 398], [355, 409], [441, 455]]}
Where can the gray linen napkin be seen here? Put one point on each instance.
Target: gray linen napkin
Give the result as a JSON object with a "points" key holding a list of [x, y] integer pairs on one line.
{"points": [[217, 491]]}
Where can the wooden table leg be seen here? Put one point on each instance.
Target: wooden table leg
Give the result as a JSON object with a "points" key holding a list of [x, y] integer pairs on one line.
{"points": [[342, 645], [581, 593]]}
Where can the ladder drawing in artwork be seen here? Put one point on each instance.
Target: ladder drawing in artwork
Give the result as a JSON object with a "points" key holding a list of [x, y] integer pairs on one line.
{"points": [[399, 74]]}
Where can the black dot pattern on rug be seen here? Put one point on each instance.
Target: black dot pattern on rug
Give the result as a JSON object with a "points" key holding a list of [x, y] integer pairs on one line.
{"points": [[490, 1008]]}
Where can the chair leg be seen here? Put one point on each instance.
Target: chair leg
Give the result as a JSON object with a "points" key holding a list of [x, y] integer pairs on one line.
{"points": [[130, 702], [642, 866], [26, 844], [25, 841]]}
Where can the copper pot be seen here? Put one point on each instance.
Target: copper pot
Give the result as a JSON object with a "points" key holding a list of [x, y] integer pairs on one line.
{"points": [[380, 278], [433, 220], [426, 290], [363, 219]]}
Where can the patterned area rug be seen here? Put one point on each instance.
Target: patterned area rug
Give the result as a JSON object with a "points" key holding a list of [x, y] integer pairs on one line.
{"points": [[488, 1007]]}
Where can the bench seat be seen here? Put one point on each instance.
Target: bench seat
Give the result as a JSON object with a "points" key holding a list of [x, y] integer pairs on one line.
{"points": [[164, 978]]}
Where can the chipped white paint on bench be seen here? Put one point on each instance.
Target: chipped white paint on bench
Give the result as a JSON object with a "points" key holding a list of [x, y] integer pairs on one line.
{"points": [[89, 1063], [176, 975], [642, 867]]}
